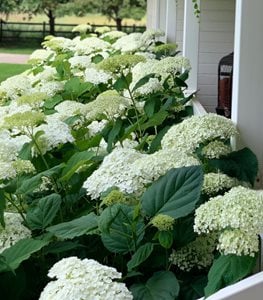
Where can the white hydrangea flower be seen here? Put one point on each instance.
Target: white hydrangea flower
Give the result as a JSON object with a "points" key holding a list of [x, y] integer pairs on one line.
{"points": [[150, 35], [16, 86], [84, 280], [103, 29], [131, 171], [89, 45], [197, 254], [109, 104], [82, 28], [96, 126], [13, 232], [238, 242], [215, 149], [163, 68], [50, 88], [96, 76], [215, 182], [55, 133], [129, 43], [40, 55], [59, 44], [239, 210], [80, 62], [113, 35], [48, 74], [68, 108], [193, 131], [6, 170]]}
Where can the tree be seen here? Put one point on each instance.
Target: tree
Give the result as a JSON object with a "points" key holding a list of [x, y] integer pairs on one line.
{"points": [[49, 7], [8, 6], [116, 10]]}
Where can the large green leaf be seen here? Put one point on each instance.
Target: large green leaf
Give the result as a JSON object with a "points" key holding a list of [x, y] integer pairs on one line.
{"points": [[228, 269], [140, 256], [41, 215], [162, 285], [77, 227], [241, 164], [155, 120], [32, 183], [122, 233], [143, 81], [76, 161], [175, 194], [19, 252]]}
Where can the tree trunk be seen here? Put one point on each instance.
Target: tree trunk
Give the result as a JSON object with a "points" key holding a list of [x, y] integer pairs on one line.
{"points": [[51, 18], [118, 23]]}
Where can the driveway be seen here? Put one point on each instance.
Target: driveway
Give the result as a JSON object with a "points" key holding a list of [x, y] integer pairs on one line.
{"points": [[14, 58]]}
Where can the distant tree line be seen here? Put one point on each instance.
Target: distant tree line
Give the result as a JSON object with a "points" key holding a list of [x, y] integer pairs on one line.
{"points": [[116, 10]]}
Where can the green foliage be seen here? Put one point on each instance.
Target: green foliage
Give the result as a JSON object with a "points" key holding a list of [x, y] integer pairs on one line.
{"points": [[140, 256], [162, 285], [77, 227], [123, 233], [241, 164], [227, 270], [12, 257], [174, 194]]}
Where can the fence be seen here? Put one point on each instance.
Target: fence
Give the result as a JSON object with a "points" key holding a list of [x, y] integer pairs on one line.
{"points": [[21, 31]]}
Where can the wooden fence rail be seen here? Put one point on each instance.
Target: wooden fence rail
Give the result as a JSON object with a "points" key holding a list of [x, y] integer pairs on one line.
{"points": [[19, 31]]}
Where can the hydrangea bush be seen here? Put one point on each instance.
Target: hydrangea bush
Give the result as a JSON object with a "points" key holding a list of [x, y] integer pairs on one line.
{"points": [[110, 183]]}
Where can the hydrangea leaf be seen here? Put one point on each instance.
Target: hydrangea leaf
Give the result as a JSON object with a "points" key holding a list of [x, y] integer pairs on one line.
{"points": [[76, 161], [29, 185], [20, 251], [122, 229], [228, 269], [77, 227], [162, 285], [140, 256], [174, 194], [41, 215], [241, 164]]}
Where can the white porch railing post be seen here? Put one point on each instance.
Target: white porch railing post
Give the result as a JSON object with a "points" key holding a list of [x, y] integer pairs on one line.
{"points": [[170, 30], [153, 14], [191, 41], [247, 98]]}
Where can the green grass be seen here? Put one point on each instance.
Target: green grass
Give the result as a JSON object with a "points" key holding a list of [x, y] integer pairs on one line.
{"points": [[19, 48], [8, 70]]}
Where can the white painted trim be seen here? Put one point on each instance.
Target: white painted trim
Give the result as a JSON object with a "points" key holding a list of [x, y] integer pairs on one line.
{"points": [[191, 41], [171, 20], [247, 104], [246, 289], [153, 14]]}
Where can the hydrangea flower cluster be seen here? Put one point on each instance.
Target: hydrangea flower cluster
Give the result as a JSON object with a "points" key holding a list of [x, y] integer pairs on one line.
{"points": [[13, 232], [196, 130], [217, 182], [163, 222], [85, 279], [197, 254], [131, 171], [237, 217]]}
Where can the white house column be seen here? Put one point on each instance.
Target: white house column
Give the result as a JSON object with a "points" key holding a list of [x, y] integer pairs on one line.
{"points": [[247, 99], [170, 30], [153, 14], [191, 41]]}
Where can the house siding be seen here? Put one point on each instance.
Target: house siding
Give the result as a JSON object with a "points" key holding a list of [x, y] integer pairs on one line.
{"points": [[216, 39]]}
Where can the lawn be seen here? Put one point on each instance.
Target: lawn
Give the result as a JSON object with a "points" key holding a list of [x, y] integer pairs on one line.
{"points": [[89, 18], [7, 70]]}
